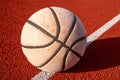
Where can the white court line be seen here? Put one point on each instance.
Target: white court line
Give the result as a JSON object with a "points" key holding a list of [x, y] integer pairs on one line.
{"points": [[92, 37]]}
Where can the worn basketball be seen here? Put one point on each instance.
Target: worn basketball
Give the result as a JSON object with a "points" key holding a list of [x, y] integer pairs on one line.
{"points": [[53, 39]]}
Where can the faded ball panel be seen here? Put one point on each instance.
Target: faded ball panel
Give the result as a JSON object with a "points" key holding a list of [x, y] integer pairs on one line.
{"points": [[77, 33], [71, 60], [45, 19], [40, 55], [31, 36], [73, 36], [80, 30], [65, 18], [80, 47], [55, 65]]}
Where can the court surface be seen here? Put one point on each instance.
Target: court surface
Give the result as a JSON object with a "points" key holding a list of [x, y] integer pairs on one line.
{"points": [[101, 20]]}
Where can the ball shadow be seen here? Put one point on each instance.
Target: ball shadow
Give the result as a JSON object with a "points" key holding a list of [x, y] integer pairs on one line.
{"points": [[101, 54]]}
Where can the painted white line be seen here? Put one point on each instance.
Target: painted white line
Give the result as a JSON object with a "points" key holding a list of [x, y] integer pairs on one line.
{"points": [[92, 37], [43, 75]]}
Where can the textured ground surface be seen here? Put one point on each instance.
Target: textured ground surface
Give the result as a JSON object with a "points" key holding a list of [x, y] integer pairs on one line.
{"points": [[102, 57]]}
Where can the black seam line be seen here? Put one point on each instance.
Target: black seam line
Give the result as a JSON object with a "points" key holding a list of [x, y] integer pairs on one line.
{"points": [[45, 32], [78, 40], [57, 22], [76, 53], [58, 49], [42, 30]]}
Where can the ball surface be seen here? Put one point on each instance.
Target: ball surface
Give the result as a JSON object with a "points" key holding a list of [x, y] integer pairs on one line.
{"points": [[53, 39]]}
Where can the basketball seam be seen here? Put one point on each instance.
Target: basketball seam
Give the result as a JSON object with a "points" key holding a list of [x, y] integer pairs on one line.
{"points": [[66, 54], [44, 31]]}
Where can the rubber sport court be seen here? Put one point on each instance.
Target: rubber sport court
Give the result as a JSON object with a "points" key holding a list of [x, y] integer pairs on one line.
{"points": [[101, 20]]}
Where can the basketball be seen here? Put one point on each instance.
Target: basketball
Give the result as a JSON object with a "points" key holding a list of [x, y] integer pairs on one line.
{"points": [[53, 39]]}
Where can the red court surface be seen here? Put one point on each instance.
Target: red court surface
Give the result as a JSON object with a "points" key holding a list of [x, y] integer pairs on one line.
{"points": [[101, 60]]}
